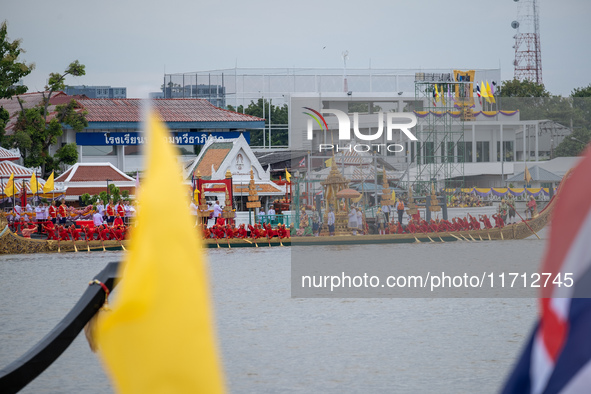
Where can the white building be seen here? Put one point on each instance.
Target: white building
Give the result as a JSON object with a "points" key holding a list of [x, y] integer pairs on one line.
{"points": [[235, 156]]}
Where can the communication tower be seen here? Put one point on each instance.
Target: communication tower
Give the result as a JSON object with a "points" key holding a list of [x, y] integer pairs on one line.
{"points": [[528, 53]]}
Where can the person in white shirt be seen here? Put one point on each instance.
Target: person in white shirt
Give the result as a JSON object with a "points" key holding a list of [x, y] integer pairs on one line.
{"points": [[129, 210], [353, 220], [194, 212], [100, 208], [330, 221], [261, 216], [97, 219], [271, 213], [217, 211], [386, 211], [46, 211], [39, 217], [360, 220]]}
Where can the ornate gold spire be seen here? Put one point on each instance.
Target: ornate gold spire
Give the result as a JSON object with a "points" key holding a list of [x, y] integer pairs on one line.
{"points": [[253, 196]]}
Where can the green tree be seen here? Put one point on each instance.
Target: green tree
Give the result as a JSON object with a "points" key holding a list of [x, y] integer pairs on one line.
{"points": [[279, 116], [582, 92], [517, 88], [34, 134], [87, 199], [4, 116], [114, 193], [103, 197], [574, 144], [11, 69], [582, 101]]}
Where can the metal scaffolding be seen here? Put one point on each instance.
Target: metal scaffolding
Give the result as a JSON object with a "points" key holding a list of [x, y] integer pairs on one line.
{"points": [[440, 151]]}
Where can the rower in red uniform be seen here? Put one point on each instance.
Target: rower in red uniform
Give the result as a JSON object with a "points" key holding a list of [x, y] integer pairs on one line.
{"points": [[63, 233], [253, 231], [74, 232], [217, 231], [450, 226], [86, 231], [205, 231], [116, 233], [242, 233], [498, 220], [433, 226], [49, 229], [105, 233], [118, 221], [486, 221], [424, 226], [229, 231], [465, 224], [273, 231]]}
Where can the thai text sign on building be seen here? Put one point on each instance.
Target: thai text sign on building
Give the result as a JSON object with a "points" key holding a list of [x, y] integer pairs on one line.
{"points": [[135, 138]]}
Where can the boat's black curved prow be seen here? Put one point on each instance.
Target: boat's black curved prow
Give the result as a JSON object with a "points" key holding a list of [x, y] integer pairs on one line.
{"points": [[30, 365]]}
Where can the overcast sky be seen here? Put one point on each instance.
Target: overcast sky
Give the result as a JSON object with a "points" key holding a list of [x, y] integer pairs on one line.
{"points": [[130, 43]]}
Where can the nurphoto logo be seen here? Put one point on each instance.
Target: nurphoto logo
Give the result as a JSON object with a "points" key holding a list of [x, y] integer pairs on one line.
{"points": [[392, 123]]}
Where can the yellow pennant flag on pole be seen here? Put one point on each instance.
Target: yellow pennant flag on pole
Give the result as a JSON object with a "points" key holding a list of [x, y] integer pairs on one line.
{"points": [[483, 92], [9, 188], [34, 183], [48, 184], [527, 176], [159, 336], [287, 175], [328, 162], [489, 93]]}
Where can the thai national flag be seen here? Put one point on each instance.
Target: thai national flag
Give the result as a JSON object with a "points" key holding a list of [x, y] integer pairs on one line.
{"points": [[302, 162], [557, 358]]}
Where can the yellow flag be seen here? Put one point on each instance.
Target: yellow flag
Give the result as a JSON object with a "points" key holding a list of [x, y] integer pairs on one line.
{"points": [[48, 184], [287, 175], [483, 92], [159, 336], [34, 183], [328, 162], [196, 195], [9, 189], [393, 195], [489, 93], [526, 175], [442, 96]]}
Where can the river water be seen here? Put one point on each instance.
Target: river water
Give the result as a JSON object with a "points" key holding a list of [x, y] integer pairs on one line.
{"points": [[272, 343]]}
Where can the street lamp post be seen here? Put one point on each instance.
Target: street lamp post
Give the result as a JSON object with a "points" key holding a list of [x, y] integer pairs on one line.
{"points": [[579, 141]]}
